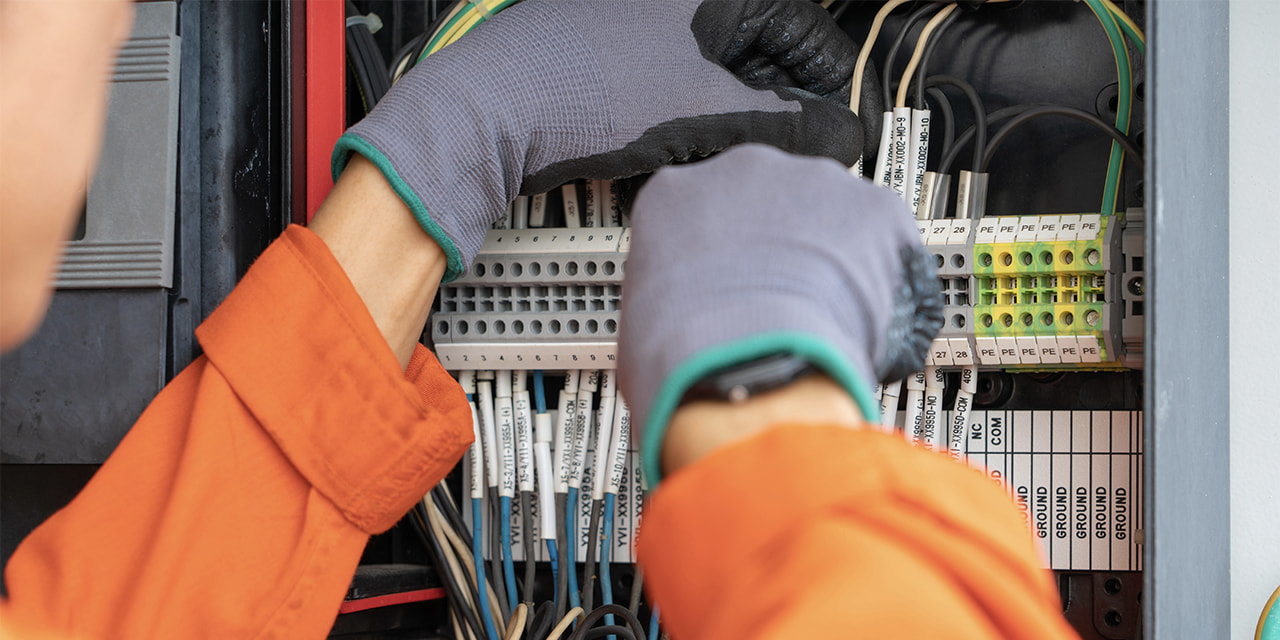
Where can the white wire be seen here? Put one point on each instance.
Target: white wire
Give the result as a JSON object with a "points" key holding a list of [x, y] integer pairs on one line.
{"points": [[484, 401], [604, 434], [956, 437], [566, 406], [572, 215], [889, 406], [582, 419], [918, 158], [524, 430], [911, 427], [506, 437], [931, 420]]}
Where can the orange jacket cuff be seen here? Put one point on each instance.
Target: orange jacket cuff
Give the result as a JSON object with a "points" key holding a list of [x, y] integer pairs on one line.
{"points": [[300, 350], [746, 502]]}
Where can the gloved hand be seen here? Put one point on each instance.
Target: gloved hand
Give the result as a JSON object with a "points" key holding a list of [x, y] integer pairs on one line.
{"points": [[554, 90], [757, 252]]}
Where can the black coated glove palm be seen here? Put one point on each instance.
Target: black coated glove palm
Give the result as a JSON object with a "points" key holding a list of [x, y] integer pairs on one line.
{"points": [[553, 90]]}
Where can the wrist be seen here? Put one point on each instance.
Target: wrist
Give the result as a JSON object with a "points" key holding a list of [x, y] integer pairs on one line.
{"points": [[701, 427], [655, 381], [393, 265]]}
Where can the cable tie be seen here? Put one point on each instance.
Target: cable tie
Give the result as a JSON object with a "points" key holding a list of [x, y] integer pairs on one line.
{"points": [[371, 22], [479, 4]]}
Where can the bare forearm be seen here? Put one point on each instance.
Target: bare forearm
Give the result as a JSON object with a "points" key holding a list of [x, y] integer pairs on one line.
{"points": [[393, 264]]}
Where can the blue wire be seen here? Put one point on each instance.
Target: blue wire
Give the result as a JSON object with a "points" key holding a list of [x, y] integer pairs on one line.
{"points": [[653, 624], [555, 569], [606, 549], [508, 567], [571, 549], [539, 392], [477, 552]]}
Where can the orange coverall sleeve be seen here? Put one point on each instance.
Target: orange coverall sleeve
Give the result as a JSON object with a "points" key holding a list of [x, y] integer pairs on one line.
{"points": [[820, 532], [239, 504]]}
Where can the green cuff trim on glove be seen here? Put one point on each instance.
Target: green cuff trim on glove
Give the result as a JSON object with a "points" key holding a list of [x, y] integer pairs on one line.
{"points": [[349, 143], [698, 366]]}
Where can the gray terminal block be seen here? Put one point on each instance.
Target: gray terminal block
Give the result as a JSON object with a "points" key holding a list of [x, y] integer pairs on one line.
{"points": [[953, 260], [542, 298], [549, 257], [463, 328], [1133, 290], [957, 322], [127, 233]]}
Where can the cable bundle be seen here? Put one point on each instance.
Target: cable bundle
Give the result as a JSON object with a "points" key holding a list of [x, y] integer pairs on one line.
{"points": [[505, 421]]}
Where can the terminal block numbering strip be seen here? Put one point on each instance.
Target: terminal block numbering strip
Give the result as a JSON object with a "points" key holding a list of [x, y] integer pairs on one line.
{"points": [[1026, 293]]}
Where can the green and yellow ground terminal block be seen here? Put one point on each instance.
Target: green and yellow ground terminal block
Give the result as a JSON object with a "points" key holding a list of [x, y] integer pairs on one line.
{"points": [[1030, 292]]}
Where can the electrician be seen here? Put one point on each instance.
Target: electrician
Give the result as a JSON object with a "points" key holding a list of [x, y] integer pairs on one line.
{"points": [[240, 503]]}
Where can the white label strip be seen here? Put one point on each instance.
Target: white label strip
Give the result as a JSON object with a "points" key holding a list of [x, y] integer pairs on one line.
{"points": [[1081, 472], [1060, 475], [1077, 475]]}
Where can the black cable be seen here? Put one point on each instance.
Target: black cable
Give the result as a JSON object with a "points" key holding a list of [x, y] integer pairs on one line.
{"points": [[979, 112], [609, 630], [965, 136], [407, 50], [450, 511], [922, 70], [356, 62], [844, 6], [495, 553], [530, 546], [632, 622], [637, 588], [366, 60], [589, 574], [948, 118], [562, 545], [541, 622], [1068, 112], [431, 28], [422, 526], [892, 56], [445, 505]]}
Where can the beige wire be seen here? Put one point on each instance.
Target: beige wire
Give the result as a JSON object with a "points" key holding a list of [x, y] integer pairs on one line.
{"points": [[567, 620], [921, 43], [864, 54], [515, 628], [439, 523], [457, 627], [450, 558]]}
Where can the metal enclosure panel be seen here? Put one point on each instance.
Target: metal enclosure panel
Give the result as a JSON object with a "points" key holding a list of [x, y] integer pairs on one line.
{"points": [[74, 389], [240, 140], [129, 226], [71, 392], [1188, 585]]}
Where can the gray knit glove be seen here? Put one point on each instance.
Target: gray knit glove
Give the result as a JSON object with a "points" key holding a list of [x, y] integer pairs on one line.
{"points": [[757, 252], [554, 90]]}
